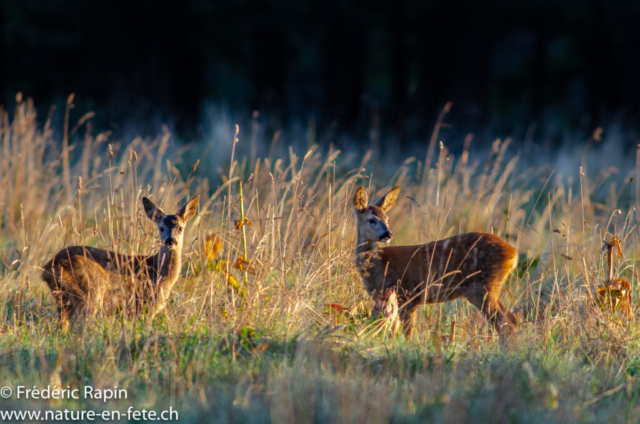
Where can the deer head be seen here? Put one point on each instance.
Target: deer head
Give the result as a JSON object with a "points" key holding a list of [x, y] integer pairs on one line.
{"points": [[373, 223], [171, 227]]}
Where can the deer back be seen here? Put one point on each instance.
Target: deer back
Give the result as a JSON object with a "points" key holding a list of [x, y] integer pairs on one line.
{"points": [[441, 270]]}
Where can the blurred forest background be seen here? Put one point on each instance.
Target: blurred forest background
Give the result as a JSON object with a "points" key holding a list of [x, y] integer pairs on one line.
{"points": [[336, 65]]}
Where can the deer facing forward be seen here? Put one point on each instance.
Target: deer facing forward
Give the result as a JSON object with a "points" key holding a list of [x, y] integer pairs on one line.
{"points": [[86, 280], [473, 265]]}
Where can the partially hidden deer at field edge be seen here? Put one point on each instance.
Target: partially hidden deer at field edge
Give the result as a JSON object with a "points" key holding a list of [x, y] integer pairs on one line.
{"points": [[86, 280], [473, 265]]}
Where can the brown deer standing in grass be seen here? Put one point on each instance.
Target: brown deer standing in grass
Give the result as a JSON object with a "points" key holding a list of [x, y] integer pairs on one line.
{"points": [[86, 280], [474, 266]]}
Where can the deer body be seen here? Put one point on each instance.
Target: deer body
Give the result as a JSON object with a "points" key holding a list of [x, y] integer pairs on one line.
{"points": [[473, 265], [86, 280]]}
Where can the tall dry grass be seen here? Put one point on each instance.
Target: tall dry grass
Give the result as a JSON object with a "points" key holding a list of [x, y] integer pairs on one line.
{"points": [[274, 350]]}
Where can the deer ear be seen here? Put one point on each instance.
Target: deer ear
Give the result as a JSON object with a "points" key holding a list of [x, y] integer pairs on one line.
{"points": [[189, 210], [360, 200], [387, 201], [153, 212]]}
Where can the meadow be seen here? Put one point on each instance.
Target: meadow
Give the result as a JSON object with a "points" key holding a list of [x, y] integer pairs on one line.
{"points": [[285, 335]]}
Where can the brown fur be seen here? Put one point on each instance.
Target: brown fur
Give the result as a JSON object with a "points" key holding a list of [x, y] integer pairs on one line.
{"points": [[473, 265], [86, 280]]}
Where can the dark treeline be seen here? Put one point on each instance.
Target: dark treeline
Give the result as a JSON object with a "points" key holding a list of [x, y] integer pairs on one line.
{"points": [[503, 63]]}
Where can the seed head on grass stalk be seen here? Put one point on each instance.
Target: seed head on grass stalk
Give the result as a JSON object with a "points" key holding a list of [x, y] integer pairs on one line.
{"points": [[232, 168], [245, 258]]}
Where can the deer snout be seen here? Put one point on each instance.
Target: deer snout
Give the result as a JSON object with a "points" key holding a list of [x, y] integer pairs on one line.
{"points": [[387, 236], [171, 242]]}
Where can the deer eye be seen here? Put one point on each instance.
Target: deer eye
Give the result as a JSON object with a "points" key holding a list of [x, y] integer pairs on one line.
{"points": [[372, 221], [179, 229], [162, 229]]}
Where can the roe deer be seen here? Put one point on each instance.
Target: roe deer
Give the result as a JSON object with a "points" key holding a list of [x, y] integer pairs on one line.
{"points": [[87, 280], [473, 265]]}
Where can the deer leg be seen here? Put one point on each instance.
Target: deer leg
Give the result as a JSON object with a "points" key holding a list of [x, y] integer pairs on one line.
{"points": [[59, 296], [494, 310], [64, 307], [157, 305], [510, 319], [68, 311], [60, 299], [508, 324], [64, 322], [62, 302], [408, 318]]}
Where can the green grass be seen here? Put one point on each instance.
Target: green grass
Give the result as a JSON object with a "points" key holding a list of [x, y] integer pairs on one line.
{"points": [[281, 354]]}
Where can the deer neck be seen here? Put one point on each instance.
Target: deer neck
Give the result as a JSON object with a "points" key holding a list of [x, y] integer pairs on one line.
{"points": [[364, 246], [168, 264], [365, 257]]}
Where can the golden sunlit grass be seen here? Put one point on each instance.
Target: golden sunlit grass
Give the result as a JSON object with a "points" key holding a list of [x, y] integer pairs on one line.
{"points": [[294, 343]]}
